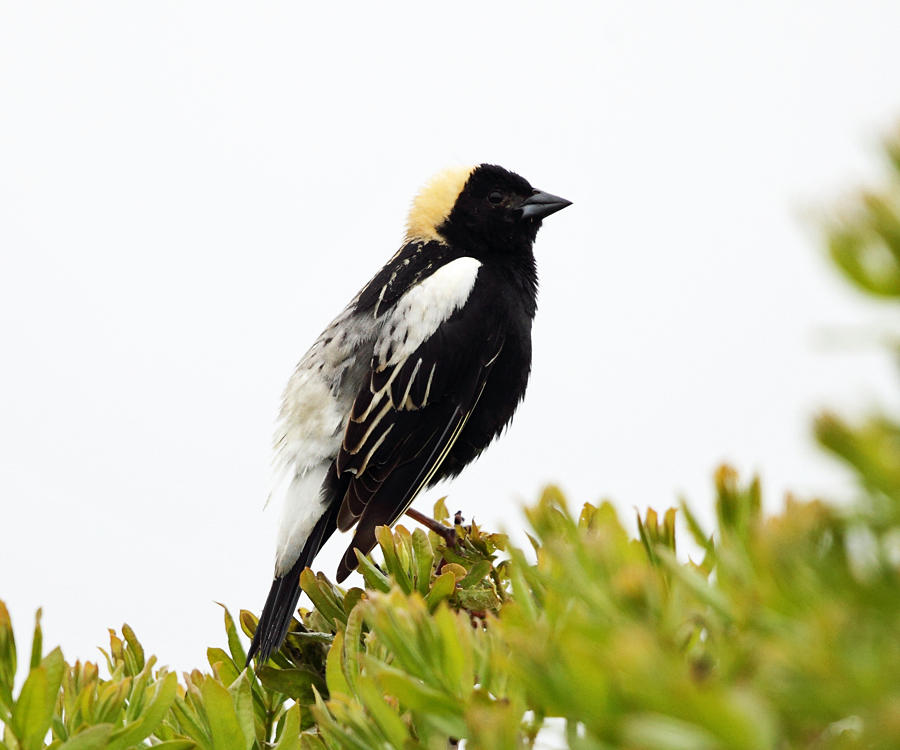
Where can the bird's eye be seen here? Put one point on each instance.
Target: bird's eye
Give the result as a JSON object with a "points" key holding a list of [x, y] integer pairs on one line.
{"points": [[495, 197]]}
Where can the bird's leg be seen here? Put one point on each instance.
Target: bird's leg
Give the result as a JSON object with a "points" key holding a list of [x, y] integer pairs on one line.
{"points": [[447, 532]]}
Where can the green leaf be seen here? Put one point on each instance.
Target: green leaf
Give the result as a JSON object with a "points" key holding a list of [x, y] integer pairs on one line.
{"points": [[353, 597], [56, 667], [352, 636], [521, 591], [37, 641], [91, 738], [33, 710], [456, 662], [297, 683], [392, 563], [187, 718], [334, 671], [441, 710], [116, 649], [134, 652], [7, 662], [424, 556], [385, 717], [373, 577], [443, 586], [136, 699], [248, 623], [238, 655], [111, 697], [160, 703], [700, 537], [224, 725], [696, 583], [478, 599], [440, 513], [476, 573], [299, 637], [645, 538], [311, 742], [459, 571], [243, 705], [290, 731], [322, 595], [222, 665]]}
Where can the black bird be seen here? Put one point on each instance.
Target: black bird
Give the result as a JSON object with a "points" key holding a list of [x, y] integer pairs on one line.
{"points": [[413, 380]]}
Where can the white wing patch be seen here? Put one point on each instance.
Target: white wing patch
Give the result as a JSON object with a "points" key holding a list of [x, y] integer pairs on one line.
{"points": [[420, 311]]}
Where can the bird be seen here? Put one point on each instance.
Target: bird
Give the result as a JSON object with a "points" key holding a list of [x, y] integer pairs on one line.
{"points": [[412, 380]]}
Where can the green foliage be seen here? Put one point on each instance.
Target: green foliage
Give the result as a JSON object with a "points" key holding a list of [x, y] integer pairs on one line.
{"points": [[783, 635], [71, 707], [866, 244]]}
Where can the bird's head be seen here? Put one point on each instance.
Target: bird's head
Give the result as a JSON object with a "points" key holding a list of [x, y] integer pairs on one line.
{"points": [[484, 206]]}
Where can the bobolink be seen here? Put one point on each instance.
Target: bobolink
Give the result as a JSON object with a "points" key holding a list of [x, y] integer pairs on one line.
{"points": [[413, 380]]}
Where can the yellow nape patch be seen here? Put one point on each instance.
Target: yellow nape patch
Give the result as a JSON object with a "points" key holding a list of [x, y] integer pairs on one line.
{"points": [[434, 202]]}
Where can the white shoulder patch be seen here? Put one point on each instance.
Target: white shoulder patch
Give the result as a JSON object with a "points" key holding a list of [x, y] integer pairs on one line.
{"points": [[420, 311]]}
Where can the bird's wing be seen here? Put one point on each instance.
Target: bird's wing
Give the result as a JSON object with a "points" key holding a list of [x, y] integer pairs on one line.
{"points": [[430, 364]]}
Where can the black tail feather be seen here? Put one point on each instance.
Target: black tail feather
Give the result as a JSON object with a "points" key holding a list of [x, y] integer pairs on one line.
{"points": [[281, 603]]}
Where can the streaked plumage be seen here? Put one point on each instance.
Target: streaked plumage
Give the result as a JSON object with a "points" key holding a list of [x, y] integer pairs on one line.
{"points": [[412, 381]]}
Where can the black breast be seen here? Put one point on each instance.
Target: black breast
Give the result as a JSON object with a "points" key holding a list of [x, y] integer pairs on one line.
{"points": [[511, 304]]}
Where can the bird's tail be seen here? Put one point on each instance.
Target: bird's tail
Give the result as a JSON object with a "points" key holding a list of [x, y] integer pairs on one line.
{"points": [[285, 592]]}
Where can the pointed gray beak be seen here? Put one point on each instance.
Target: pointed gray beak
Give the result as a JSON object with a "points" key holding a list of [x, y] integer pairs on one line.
{"points": [[540, 205]]}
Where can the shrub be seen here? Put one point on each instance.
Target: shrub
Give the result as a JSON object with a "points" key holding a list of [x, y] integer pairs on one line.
{"points": [[783, 635]]}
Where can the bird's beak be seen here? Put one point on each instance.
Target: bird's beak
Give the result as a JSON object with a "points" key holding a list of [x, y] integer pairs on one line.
{"points": [[540, 204]]}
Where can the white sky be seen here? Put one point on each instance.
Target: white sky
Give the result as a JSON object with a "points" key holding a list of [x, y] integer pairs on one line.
{"points": [[189, 192]]}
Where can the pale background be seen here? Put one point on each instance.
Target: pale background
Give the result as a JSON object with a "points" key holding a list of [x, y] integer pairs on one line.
{"points": [[190, 191]]}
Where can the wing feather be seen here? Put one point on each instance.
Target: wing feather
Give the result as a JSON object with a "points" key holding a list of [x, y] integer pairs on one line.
{"points": [[421, 390]]}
